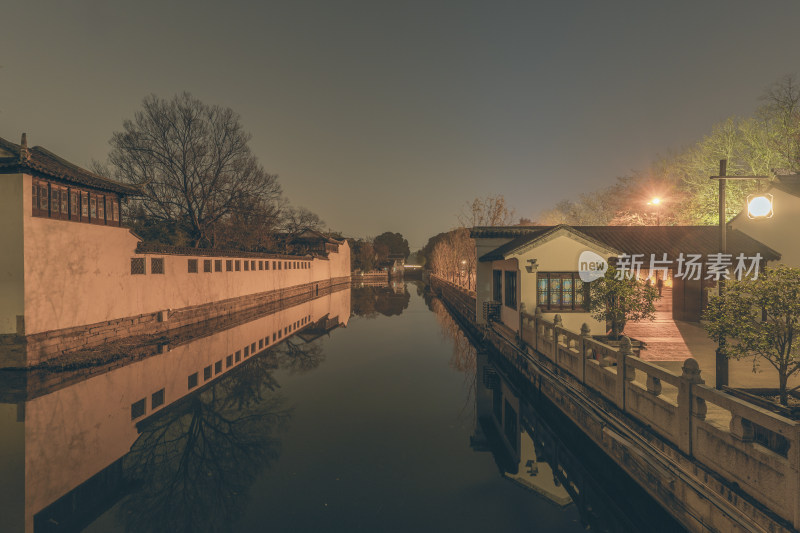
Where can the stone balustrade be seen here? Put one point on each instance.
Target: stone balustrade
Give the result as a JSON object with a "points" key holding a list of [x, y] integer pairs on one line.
{"points": [[710, 426]]}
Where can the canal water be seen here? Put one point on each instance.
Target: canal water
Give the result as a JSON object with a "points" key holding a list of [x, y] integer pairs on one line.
{"points": [[362, 410]]}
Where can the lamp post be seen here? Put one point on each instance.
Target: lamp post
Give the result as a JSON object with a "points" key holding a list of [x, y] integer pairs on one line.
{"points": [[755, 209], [656, 203]]}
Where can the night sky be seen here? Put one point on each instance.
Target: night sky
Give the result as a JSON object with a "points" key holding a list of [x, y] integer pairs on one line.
{"points": [[391, 115]]}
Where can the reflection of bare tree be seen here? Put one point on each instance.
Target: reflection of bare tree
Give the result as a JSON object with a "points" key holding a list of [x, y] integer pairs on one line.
{"points": [[464, 356], [193, 463], [298, 357], [368, 302]]}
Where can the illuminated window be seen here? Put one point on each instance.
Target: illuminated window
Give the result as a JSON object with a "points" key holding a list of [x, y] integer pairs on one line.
{"points": [[562, 291]]}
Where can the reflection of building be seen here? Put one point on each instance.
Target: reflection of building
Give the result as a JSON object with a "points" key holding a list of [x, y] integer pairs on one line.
{"points": [[538, 266], [552, 458], [780, 231], [70, 276], [62, 436], [500, 429]]}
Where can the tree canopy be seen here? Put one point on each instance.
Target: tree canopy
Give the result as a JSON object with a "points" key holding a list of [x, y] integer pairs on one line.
{"points": [[195, 168]]}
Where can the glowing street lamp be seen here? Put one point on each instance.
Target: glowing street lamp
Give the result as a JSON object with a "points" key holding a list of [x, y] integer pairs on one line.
{"points": [[656, 202], [759, 206]]}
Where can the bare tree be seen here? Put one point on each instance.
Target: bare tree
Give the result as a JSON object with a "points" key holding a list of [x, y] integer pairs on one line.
{"points": [[489, 211], [193, 164]]}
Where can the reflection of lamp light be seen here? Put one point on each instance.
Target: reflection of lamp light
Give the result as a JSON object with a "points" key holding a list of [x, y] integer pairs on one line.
{"points": [[759, 206]]}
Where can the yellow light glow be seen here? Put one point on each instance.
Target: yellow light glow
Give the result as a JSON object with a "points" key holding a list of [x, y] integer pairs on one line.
{"points": [[655, 201], [759, 206]]}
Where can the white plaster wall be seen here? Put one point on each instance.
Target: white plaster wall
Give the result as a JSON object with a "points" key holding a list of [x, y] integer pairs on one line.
{"points": [[483, 283], [15, 204], [70, 435], [779, 232], [77, 274], [559, 254]]}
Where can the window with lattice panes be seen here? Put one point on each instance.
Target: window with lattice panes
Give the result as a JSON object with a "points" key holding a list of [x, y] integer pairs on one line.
{"points": [[561, 291]]}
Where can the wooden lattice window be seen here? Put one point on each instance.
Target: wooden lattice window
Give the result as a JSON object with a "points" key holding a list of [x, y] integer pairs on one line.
{"points": [[74, 205], [206, 265], [137, 265], [497, 285], [192, 266], [562, 291], [157, 265], [229, 265], [217, 265], [246, 266], [84, 206], [101, 210]]}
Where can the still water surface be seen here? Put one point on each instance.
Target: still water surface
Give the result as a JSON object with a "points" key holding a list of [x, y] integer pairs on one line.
{"points": [[369, 412]]}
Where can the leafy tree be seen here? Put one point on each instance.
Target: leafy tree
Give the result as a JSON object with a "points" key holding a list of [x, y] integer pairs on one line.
{"points": [[762, 316], [391, 243], [194, 166], [619, 301]]}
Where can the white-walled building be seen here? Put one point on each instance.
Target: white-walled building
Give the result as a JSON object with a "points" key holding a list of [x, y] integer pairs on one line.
{"points": [[525, 267], [71, 276]]}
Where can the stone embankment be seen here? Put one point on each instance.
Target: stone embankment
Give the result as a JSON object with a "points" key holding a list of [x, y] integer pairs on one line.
{"points": [[715, 462]]}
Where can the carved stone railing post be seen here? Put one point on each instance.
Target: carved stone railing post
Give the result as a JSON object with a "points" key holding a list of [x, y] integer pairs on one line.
{"points": [[586, 334], [625, 372], [689, 406], [557, 323], [537, 317]]}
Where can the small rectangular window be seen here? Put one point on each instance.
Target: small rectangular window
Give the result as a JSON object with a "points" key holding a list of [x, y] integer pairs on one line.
{"points": [[247, 351], [252, 265], [44, 196], [246, 266], [280, 265], [511, 289], [101, 210], [261, 265], [115, 208], [218, 367], [192, 381], [274, 336], [260, 343], [55, 201], [238, 265], [266, 265], [217, 265], [238, 355], [229, 361], [497, 285], [207, 373], [206, 265], [253, 348], [137, 265], [157, 265], [273, 265], [84, 206], [192, 266], [74, 209], [228, 265], [138, 409], [92, 207], [109, 209], [157, 399]]}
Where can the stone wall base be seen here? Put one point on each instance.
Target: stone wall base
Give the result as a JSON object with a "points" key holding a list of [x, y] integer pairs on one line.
{"points": [[17, 351]]}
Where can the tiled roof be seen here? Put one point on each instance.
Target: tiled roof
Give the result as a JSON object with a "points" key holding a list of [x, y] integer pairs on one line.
{"points": [[789, 184], [43, 162], [672, 240]]}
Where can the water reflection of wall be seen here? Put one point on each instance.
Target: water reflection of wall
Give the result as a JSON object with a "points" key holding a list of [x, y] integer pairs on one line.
{"points": [[74, 433], [536, 449]]}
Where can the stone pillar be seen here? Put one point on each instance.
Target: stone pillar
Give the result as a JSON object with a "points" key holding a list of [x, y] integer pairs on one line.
{"points": [[625, 373], [586, 334], [689, 407]]}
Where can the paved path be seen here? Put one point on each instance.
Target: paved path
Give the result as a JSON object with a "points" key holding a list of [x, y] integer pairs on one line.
{"points": [[670, 342]]}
